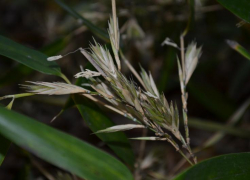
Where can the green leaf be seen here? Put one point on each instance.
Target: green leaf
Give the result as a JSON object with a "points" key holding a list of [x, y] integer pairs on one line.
{"points": [[29, 57], [99, 32], [240, 49], [96, 121], [240, 8], [5, 144], [60, 149], [225, 167]]}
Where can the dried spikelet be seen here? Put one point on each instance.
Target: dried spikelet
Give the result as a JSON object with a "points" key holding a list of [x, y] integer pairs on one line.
{"points": [[103, 59], [150, 84], [169, 42], [55, 88], [120, 128], [150, 138], [191, 59], [114, 39], [87, 74]]}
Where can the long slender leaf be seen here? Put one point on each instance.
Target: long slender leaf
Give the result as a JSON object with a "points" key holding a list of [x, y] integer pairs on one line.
{"points": [[5, 144], [99, 32], [240, 49], [60, 149], [240, 8], [96, 121], [29, 57], [225, 167]]}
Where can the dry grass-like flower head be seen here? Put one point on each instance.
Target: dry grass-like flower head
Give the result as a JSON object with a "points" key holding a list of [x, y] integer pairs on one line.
{"points": [[145, 105]]}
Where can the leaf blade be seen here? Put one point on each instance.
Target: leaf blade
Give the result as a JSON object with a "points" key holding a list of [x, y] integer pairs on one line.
{"points": [[99, 32], [60, 149], [240, 8], [29, 57], [5, 144], [96, 121], [225, 167]]}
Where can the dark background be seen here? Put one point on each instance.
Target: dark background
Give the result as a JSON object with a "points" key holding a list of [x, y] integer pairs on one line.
{"points": [[218, 87]]}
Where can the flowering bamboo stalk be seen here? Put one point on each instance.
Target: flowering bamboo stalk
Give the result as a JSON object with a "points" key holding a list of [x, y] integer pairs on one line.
{"points": [[144, 105]]}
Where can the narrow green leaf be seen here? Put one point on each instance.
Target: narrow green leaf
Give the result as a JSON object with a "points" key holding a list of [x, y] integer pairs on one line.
{"points": [[29, 57], [5, 144], [225, 167], [96, 120], [240, 8], [99, 32], [60, 149], [240, 49]]}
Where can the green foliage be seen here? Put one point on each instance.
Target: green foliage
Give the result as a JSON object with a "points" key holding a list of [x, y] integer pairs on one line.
{"points": [[29, 57], [239, 7], [5, 144], [96, 120], [99, 32], [225, 167], [61, 149]]}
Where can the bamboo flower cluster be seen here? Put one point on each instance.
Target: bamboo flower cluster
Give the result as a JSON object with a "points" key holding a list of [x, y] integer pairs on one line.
{"points": [[143, 104]]}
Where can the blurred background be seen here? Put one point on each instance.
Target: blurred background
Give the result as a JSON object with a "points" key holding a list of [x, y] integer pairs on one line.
{"points": [[219, 89]]}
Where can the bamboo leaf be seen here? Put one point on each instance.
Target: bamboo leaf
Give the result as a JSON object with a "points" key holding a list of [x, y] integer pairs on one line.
{"points": [[116, 128], [96, 120], [240, 8], [240, 49], [60, 149], [99, 32], [29, 57], [5, 144], [225, 167]]}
